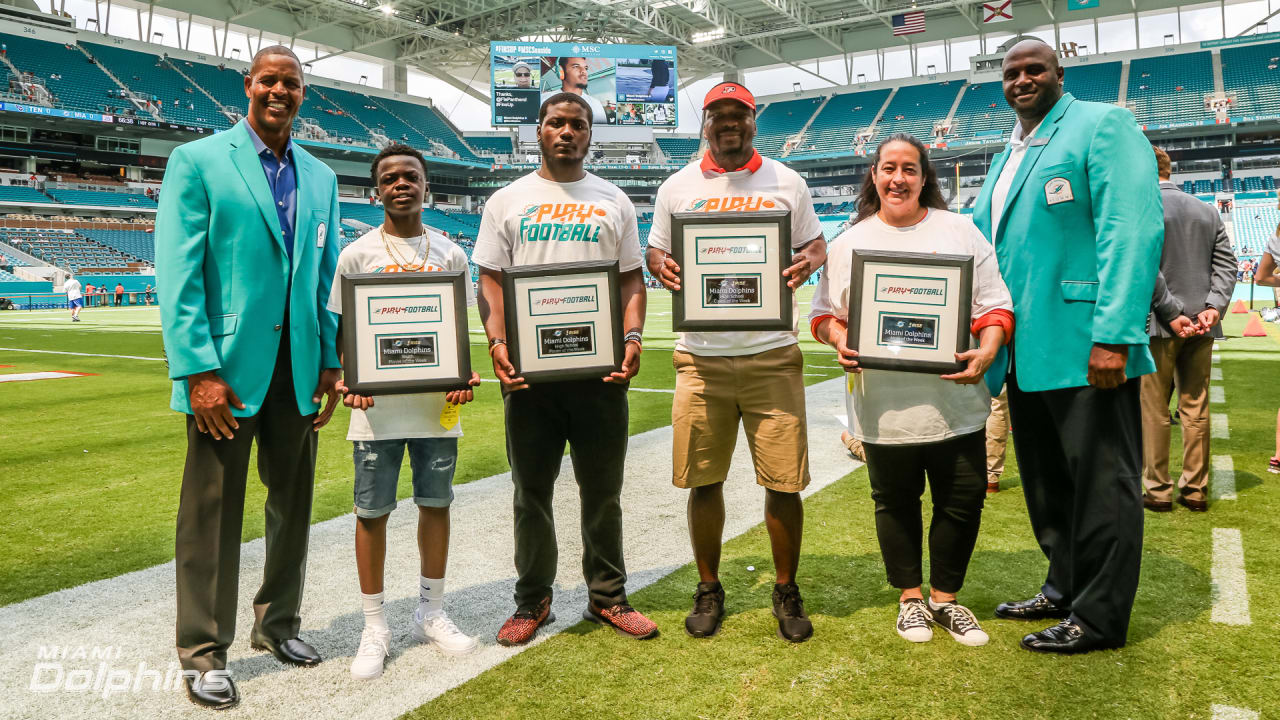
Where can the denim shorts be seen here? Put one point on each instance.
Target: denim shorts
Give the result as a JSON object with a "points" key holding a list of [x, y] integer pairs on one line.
{"points": [[377, 462]]}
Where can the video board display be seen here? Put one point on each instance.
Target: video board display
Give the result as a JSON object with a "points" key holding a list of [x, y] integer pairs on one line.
{"points": [[623, 84]]}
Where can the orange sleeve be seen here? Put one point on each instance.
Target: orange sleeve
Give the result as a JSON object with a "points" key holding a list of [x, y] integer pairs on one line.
{"points": [[1000, 317], [813, 325]]}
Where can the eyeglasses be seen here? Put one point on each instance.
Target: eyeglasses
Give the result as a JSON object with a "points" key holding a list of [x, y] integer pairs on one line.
{"points": [[522, 74]]}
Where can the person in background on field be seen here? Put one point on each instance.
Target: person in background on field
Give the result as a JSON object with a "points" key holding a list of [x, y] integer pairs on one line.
{"points": [[147, 293], [119, 293], [916, 426], [997, 440], [1192, 291], [1267, 276], [1074, 211], [426, 424], [75, 298]]}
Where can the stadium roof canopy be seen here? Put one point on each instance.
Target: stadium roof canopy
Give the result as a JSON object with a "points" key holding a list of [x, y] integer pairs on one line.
{"points": [[449, 38]]}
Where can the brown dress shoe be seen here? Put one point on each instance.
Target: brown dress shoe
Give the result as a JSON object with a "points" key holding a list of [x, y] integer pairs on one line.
{"points": [[1156, 505], [1193, 505]]}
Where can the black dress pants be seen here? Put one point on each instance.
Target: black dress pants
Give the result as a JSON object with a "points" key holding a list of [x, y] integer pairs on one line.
{"points": [[956, 470], [210, 515], [1080, 454]]}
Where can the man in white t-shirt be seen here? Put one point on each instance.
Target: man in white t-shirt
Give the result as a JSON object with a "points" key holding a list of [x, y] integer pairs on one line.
{"points": [[75, 297], [427, 424], [724, 376], [561, 213]]}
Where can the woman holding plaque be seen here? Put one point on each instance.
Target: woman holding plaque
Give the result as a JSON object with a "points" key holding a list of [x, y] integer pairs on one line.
{"points": [[916, 425]]}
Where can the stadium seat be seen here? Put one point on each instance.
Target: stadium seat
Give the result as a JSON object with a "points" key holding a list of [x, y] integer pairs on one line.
{"points": [[76, 82], [836, 127], [495, 145], [1252, 72], [681, 150], [780, 120], [915, 109], [1170, 89], [102, 198], [21, 193], [149, 75]]}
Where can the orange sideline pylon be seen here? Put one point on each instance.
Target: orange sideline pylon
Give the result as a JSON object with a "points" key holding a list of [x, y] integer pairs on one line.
{"points": [[1253, 328], [1239, 308]]}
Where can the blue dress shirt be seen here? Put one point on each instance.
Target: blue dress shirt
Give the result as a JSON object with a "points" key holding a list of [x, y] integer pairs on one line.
{"points": [[283, 180]]}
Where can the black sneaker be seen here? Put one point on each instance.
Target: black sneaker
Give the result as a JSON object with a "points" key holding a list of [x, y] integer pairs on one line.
{"points": [[708, 610], [793, 624], [960, 622]]}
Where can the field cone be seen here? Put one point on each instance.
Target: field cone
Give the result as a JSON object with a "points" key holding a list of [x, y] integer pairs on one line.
{"points": [[1253, 328], [1239, 308]]}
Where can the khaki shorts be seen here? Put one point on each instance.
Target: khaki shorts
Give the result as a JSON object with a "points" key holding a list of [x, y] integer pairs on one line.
{"points": [[765, 391]]}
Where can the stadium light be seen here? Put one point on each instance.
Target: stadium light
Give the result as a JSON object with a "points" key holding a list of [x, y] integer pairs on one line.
{"points": [[708, 35], [386, 9]]}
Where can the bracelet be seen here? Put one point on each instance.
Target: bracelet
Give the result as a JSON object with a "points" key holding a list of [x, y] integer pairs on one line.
{"points": [[633, 336], [495, 342]]}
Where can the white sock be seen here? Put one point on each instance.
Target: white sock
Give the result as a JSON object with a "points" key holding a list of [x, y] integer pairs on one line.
{"points": [[373, 615], [430, 597], [934, 606]]}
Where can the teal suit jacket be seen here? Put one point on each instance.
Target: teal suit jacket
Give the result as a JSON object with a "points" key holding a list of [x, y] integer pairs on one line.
{"points": [[221, 260], [1081, 270]]}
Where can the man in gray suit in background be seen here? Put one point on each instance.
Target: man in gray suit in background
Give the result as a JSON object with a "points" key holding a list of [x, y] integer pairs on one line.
{"points": [[1197, 277]]}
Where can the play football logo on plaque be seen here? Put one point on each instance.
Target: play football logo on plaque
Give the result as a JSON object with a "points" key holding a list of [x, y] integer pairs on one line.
{"points": [[563, 320], [731, 271]]}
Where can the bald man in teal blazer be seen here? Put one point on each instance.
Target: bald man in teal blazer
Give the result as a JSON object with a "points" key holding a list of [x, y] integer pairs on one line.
{"points": [[246, 249], [1074, 210]]}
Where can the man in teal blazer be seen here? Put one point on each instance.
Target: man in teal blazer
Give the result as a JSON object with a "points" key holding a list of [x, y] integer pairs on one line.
{"points": [[1075, 214], [246, 248]]}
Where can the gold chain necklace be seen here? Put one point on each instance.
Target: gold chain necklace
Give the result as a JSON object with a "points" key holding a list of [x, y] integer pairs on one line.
{"points": [[406, 266]]}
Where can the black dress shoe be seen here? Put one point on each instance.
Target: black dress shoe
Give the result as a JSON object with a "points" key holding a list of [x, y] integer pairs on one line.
{"points": [[1065, 638], [1193, 505], [1154, 505], [1037, 608], [213, 689], [290, 652]]}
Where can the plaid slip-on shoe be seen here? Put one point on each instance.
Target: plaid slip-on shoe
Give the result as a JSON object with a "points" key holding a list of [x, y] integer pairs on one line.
{"points": [[520, 627], [626, 620]]}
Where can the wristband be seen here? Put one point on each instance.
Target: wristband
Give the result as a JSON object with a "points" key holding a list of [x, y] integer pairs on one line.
{"points": [[632, 336], [495, 342]]}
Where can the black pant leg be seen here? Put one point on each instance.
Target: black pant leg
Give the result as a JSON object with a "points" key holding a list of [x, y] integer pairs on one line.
{"points": [[1047, 485], [536, 436], [598, 448], [958, 486], [286, 465], [1102, 443], [207, 544], [897, 480]]}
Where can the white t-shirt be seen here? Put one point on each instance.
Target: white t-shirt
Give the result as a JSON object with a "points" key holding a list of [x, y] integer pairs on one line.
{"points": [[535, 221], [394, 417], [72, 288], [903, 408], [773, 186]]}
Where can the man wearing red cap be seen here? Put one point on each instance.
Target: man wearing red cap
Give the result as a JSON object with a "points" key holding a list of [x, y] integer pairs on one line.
{"points": [[724, 376]]}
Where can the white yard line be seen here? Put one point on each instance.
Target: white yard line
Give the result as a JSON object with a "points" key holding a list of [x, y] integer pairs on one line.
{"points": [[1227, 712], [1218, 426], [1222, 485], [1228, 585], [64, 352], [131, 617], [1215, 373], [1217, 394], [1216, 357]]}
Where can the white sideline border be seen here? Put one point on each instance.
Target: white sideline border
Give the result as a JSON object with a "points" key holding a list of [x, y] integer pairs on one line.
{"points": [[1228, 583]]}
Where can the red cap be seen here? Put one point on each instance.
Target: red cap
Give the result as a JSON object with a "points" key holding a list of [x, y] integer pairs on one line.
{"points": [[729, 91]]}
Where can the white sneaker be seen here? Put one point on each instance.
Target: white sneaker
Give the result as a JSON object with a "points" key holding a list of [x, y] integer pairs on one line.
{"points": [[439, 629], [960, 622], [914, 623], [375, 645]]}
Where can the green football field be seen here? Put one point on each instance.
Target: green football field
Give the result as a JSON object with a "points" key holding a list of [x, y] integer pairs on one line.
{"points": [[92, 467]]}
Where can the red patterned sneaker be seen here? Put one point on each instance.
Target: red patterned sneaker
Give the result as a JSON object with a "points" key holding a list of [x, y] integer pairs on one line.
{"points": [[626, 620], [520, 628]]}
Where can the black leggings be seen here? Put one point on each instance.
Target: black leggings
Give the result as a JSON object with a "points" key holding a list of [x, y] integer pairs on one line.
{"points": [[956, 469]]}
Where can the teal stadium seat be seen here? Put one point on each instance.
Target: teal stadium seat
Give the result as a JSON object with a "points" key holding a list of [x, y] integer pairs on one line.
{"points": [[780, 120], [1253, 74], [682, 150], [149, 75], [21, 193], [983, 113], [1097, 83], [1170, 89], [103, 198], [65, 248], [835, 129], [915, 109], [1254, 224], [138, 243], [82, 85], [495, 145], [225, 85]]}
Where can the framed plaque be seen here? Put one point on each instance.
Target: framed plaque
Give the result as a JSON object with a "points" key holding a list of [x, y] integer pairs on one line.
{"points": [[731, 271], [564, 320], [405, 332], [910, 311]]}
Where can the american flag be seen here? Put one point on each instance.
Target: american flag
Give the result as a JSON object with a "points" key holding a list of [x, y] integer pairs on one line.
{"points": [[908, 23]]}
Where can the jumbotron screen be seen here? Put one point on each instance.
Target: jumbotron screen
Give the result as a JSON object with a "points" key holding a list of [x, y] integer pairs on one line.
{"points": [[624, 84]]}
